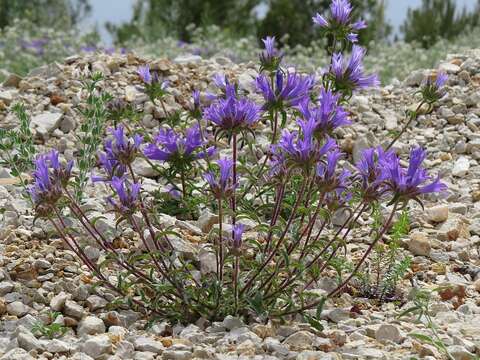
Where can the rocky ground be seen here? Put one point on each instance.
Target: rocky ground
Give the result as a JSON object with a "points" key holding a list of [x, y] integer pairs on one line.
{"points": [[38, 277]]}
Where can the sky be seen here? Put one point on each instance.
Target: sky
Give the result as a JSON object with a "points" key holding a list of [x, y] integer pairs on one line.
{"points": [[118, 11]]}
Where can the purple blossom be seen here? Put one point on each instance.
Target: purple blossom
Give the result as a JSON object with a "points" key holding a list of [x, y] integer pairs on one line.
{"points": [[237, 232], [372, 172], [196, 99], [339, 23], [127, 194], [348, 75], [302, 149], [270, 57], [410, 183], [288, 90], [328, 115], [441, 80], [176, 147], [110, 166], [120, 148], [223, 186], [233, 114], [433, 89], [144, 73], [49, 178]]}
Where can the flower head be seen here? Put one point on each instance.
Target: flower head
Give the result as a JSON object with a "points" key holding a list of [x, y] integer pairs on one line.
{"points": [[178, 148], [233, 114], [270, 57], [339, 23], [127, 194], [327, 178], [433, 88], [302, 149], [288, 90], [328, 115], [410, 183], [50, 177], [222, 186], [111, 167], [348, 75], [144, 73], [372, 172], [120, 148]]}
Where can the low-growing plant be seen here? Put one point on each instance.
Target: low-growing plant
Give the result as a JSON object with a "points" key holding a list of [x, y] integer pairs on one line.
{"points": [[92, 130], [274, 239], [421, 308], [51, 330], [17, 151], [387, 267]]}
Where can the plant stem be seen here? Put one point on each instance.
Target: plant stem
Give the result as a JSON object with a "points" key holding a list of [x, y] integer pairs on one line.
{"points": [[219, 250], [280, 240], [412, 117]]}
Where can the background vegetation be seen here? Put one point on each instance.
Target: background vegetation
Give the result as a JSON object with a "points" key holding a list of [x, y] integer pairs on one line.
{"points": [[232, 28]]}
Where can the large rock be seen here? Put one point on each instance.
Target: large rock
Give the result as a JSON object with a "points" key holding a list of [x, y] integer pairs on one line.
{"points": [[438, 213], [461, 167], [97, 346], [90, 325], [388, 332], [299, 341], [46, 122], [143, 343], [419, 244]]}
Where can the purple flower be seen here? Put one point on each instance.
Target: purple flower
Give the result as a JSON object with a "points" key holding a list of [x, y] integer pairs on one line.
{"points": [[328, 115], [320, 21], [144, 73], [196, 99], [410, 183], [372, 172], [326, 177], [270, 57], [233, 114], [223, 186], [341, 10], [288, 90], [127, 194], [339, 23], [302, 149], [49, 178], [110, 166], [348, 75], [237, 233], [441, 80], [178, 148], [433, 90], [120, 148]]}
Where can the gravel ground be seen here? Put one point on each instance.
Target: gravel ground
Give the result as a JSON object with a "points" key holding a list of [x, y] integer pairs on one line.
{"points": [[39, 276]]}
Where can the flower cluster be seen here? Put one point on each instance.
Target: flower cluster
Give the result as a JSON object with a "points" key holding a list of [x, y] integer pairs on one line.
{"points": [[119, 153], [178, 148], [153, 86], [233, 114], [327, 113], [410, 183], [50, 177], [270, 57], [339, 24], [127, 194], [433, 88], [347, 75], [222, 186], [302, 149], [288, 90]]}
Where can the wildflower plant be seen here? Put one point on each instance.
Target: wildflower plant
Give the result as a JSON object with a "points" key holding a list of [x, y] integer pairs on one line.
{"points": [[275, 238]]}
